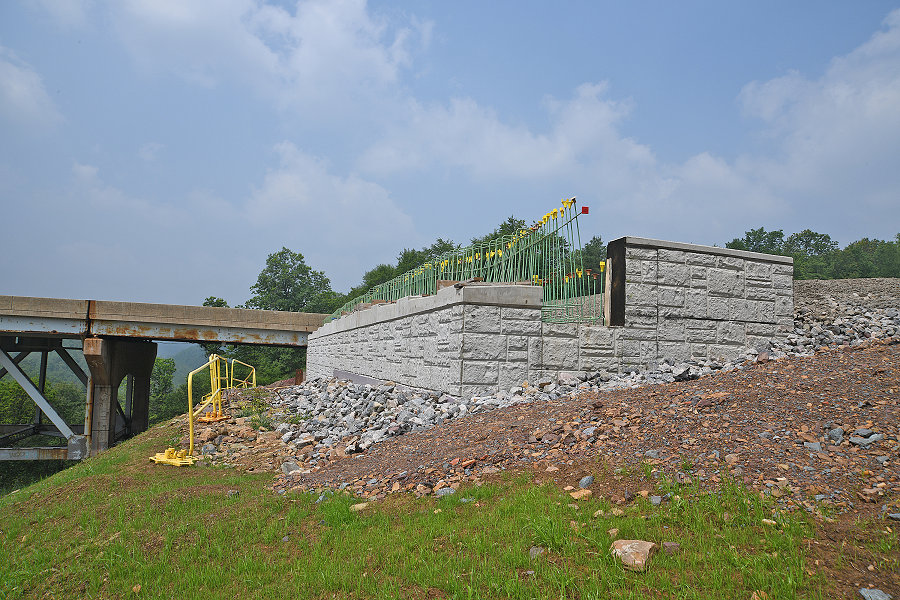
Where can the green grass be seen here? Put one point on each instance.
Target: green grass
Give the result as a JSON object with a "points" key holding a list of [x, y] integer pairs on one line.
{"points": [[101, 528]]}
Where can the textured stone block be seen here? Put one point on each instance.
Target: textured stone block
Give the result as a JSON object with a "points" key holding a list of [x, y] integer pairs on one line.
{"points": [[482, 319], [724, 352], [731, 333], [758, 270], [760, 293], [480, 346], [639, 253], [695, 303], [784, 306], [630, 347], [698, 277], [781, 269], [672, 256], [699, 350], [676, 350], [595, 337], [598, 363], [703, 260], [516, 342], [633, 333], [783, 281], [671, 296], [640, 294], [559, 330], [641, 311], [649, 271], [521, 327], [741, 309], [702, 336], [520, 314], [535, 351], [671, 330], [512, 375], [731, 262], [766, 330], [480, 373], [634, 270], [674, 274], [766, 312], [725, 283], [718, 308], [560, 353], [517, 356], [672, 312]]}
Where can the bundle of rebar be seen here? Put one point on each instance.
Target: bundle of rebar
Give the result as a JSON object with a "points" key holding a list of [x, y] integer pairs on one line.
{"points": [[547, 254]]}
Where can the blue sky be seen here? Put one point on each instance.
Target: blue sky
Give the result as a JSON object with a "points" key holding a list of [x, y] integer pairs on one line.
{"points": [[159, 150]]}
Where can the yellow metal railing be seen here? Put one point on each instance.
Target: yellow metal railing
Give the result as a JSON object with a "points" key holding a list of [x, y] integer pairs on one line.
{"points": [[220, 379], [248, 381]]}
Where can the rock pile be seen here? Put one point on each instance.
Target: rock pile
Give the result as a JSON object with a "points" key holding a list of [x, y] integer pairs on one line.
{"points": [[324, 419], [841, 323]]}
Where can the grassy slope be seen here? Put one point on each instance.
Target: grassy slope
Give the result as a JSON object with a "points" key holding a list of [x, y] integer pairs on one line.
{"points": [[115, 522]]}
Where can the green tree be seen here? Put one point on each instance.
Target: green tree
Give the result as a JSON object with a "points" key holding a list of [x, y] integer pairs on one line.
{"points": [[593, 253], [809, 243], [288, 283], [760, 240], [161, 378], [510, 226], [212, 347]]}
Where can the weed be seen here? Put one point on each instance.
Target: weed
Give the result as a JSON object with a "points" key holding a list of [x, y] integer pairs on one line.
{"points": [[646, 469]]}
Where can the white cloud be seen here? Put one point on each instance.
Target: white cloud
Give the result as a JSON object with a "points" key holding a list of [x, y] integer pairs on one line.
{"points": [[465, 134], [344, 221], [837, 135], [24, 103], [116, 205], [149, 151], [329, 61], [68, 13]]}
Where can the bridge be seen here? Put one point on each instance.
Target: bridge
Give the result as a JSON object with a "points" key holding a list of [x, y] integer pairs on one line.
{"points": [[118, 340]]}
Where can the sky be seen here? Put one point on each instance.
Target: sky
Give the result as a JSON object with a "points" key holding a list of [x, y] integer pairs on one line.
{"points": [[160, 150]]}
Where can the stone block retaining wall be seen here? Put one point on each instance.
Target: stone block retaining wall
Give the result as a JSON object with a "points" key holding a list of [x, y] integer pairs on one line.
{"points": [[667, 300]]}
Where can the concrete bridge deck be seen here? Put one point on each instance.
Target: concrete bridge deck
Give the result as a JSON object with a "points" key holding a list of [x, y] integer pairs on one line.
{"points": [[62, 318]]}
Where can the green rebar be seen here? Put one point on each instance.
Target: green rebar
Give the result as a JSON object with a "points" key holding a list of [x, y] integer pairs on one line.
{"points": [[546, 254]]}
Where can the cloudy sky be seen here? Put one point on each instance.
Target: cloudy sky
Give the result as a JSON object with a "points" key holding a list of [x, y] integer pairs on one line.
{"points": [[159, 150]]}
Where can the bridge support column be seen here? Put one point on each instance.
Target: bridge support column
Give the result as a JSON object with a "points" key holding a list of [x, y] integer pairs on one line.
{"points": [[110, 361]]}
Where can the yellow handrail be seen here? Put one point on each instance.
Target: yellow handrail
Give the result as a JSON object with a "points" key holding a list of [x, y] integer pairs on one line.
{"points": [[244, 383], [214, 396], [218, 374]]}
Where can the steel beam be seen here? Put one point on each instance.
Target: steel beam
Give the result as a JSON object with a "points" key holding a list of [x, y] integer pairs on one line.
{"points": [[195, 333], [42, 453], [19, 375], [45, 429], [67, 358], [69, 328], [19, 358]]}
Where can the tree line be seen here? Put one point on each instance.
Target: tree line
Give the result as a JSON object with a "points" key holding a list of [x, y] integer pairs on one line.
{"points": [[817, 256]]}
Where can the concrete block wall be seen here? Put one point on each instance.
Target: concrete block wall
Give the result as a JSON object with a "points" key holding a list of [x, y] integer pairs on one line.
{"points": [[467, 341], [689, 301], [668, 300]]}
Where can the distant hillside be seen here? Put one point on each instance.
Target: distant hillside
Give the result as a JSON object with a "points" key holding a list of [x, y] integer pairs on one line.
{"points": [[187, 359], [57, 370]]}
